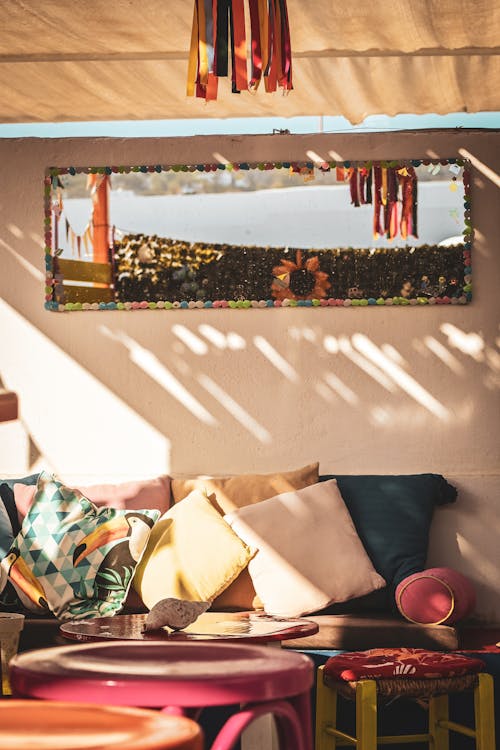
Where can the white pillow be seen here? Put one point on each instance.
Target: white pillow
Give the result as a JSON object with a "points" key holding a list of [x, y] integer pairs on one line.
{"points": [[309, 554]]}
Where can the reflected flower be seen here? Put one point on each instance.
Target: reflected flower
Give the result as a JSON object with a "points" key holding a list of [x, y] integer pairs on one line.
{"points": [[299, 280]]}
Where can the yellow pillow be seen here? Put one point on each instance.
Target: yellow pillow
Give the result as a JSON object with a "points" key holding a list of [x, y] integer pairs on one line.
{"points": [[235, 492], [246, 489], [192, 554]]}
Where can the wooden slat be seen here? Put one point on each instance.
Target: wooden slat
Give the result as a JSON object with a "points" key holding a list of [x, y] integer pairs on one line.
{"points": [[87, 294], [82, 270]]}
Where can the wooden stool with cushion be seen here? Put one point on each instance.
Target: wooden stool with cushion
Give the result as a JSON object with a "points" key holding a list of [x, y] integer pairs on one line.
{"points": [[384, 674]]}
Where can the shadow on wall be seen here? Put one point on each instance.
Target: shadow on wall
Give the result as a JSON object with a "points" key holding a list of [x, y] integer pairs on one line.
{"points": [[465, 535], [371, 390], [236, 390]]}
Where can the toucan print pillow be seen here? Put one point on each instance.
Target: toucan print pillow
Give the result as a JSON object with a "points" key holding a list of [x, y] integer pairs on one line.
{"points": [[72, 558]]}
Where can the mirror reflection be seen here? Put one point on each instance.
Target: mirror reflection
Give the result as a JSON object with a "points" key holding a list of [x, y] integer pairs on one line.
{"points": [[249, 235]]}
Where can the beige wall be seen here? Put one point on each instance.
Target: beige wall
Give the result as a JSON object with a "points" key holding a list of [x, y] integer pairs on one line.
{"points": [[397, 390]]}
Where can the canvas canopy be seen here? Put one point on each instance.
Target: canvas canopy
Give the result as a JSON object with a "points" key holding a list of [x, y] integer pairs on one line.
{"points": [[127, 59]]}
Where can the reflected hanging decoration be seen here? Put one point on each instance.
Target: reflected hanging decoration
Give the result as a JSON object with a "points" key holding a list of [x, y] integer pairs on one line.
{"points": [[219, 35]]}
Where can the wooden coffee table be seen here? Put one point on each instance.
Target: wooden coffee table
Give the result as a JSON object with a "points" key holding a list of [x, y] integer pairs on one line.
{"points": [[250, 627]]}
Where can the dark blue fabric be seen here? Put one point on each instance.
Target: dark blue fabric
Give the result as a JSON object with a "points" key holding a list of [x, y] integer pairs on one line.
{"points": [[392, 515], [9, 529]]}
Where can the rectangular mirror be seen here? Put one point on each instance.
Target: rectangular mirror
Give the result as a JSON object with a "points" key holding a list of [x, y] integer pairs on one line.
{"points": [[258, 235]]}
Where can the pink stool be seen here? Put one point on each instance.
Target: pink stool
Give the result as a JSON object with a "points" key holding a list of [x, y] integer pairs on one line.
{"points": [[179, 677]]}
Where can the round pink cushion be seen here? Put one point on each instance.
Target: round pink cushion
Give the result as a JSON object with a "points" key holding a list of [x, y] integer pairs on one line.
{"points": [[436, 596]]}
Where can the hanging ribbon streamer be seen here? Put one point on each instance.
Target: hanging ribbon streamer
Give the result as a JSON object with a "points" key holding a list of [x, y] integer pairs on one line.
{"points": [[393, 186], [377, 202], [408, 184], [219, 32], [75, 240], [369, 186], [255, 30], [87, 241], [56, 217], [391, 207], [354, 187], [386, 188]]}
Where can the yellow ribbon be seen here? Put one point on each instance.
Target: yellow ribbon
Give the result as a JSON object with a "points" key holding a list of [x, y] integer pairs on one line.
{"points": [[193, 55]]}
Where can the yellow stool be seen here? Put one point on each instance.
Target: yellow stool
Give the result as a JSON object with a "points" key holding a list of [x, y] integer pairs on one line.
{"points": [[435, 690]]}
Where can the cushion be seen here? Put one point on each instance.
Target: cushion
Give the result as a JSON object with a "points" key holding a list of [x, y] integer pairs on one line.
{"points": [[10, 526], [239, 595], [73, 558], [6, 534], [234, 492], [399, 663], [143, 493], [309, 552], [436, 596], [8, 489], [392, 515], [192, 554]]}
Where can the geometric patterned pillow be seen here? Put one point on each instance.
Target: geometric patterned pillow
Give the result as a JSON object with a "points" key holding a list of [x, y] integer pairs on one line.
{"points": [[73, 558], [390, 663]]}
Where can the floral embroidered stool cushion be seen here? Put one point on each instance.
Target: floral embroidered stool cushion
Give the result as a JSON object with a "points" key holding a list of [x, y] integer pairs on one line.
{"points": [[382, 674]]}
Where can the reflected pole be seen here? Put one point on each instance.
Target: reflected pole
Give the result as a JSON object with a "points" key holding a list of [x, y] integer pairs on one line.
{"points": [[100, 217]]}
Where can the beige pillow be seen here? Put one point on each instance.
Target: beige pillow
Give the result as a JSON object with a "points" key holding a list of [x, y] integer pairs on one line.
{"points": [[235, 492], [245, 489], [310, 555], [192, 554]]}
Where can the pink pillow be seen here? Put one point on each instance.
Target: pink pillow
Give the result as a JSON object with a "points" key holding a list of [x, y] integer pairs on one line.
{"points": [[23, 497], [436, 596], [144, 493]]}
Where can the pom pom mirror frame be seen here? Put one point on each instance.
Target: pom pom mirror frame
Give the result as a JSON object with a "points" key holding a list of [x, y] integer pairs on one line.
{"points": [[145, 271]]}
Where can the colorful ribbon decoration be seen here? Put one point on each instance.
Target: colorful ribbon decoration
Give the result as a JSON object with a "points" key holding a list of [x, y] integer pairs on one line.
{"points": [[391, 187], [408, 182], [219, 31]]}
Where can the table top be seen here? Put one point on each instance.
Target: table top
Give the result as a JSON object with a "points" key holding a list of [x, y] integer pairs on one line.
{"points": [[250, 627]]}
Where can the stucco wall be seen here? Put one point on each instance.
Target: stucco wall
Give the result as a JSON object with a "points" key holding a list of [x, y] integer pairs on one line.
{"points": [[396, 390]]}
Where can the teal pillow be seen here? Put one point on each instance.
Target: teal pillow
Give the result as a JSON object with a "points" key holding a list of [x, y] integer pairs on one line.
{"points": [[72, 558], [393, 515]]}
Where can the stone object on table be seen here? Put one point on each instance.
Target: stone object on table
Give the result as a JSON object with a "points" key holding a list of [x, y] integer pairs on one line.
{"points": [[173, 613]]}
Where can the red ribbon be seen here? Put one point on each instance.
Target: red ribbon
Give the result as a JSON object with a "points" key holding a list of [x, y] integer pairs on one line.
{"points": [[408, 210], [354, 187], [256, 42], [377, 201]]}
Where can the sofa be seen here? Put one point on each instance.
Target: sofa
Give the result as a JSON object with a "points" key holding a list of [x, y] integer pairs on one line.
{"points": [[363, 539]]}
